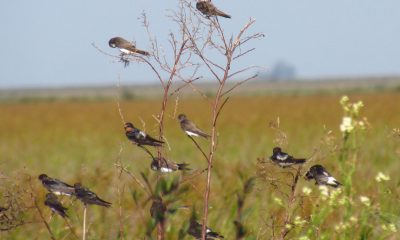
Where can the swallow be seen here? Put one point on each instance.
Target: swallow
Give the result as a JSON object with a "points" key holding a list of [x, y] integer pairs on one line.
{"points": [[321, 176], [165, 166], [55, 206], [284, 159], [190, 128], [89, 197], [195, 230], [139, 137], [125, 46], [158, 209], [56, 186], [209, 10]]}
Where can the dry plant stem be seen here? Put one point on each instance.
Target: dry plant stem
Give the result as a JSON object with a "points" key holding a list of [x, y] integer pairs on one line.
{"points": [[166, 91], [34, 199], [42, 217], [229, 47], [84, 223], [291, 200], [198, 147]]}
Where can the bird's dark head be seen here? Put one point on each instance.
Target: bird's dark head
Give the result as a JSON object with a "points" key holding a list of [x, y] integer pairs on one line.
{"points": [[42, 176], [181, 117], [276, 150], [154, 164], [128, 125], [113, 42], [317, 169], [77, 185]]}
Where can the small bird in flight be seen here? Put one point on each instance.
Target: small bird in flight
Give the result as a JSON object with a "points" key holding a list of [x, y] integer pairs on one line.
{"points": [[190, 128], [195, 230], [208, 9], [165, 166], [284, 159], [125, 46], [55, 206], [56, 186], [139, 137], [89, 197], [321, 176]]}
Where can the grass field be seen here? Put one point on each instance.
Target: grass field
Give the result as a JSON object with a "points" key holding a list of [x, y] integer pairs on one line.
{"points": [[83, 141]]}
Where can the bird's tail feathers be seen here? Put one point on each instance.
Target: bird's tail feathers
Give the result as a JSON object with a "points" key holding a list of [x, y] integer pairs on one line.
{"points": [[183, 166]]}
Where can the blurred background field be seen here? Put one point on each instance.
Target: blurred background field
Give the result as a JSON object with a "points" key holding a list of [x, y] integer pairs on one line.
{"points": [[82, 140]]}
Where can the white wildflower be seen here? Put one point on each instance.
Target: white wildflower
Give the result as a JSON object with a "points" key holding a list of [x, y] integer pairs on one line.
{"points": [[299, 221], [392, 228], [344, 100], [278, 201], [347, 125], [307, 191], [324, 192], [304, 238], [353, 219], [382, 177], [365, 200]]}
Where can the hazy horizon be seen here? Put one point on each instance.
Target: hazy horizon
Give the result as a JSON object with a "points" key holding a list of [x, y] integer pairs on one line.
{"points": [[47, 44]]}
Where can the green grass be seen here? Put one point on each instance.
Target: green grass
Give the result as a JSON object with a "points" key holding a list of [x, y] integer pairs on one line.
{"points": [[82, 141]]}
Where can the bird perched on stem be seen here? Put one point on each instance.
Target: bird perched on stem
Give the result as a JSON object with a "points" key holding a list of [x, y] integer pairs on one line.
{"points": [[139, 137], [321, 176], [166, 166], [283, 159], [55, 205], [195, 230], [208, 9], [190, 128], [56, 186], [125, 46], [88, 197]]}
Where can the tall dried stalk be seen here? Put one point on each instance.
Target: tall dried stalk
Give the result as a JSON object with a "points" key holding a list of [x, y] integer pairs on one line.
{"points": [[217, 41], [187, 44]]}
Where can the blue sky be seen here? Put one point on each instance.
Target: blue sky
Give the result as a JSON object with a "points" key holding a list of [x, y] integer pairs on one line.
{"points": [[47, 43]]}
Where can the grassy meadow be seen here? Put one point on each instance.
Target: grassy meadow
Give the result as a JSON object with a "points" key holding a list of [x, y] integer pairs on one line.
{"points": [[84, 141]]}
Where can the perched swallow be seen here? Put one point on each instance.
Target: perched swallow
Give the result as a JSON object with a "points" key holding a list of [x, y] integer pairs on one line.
{"points": [[195, 230], [56, 186], [284, 159], [321, 176], [55, 206], [165, 166], [139, 137], [209, 10], [190, 128], [89, 197], [125, 46], [158, 209]]}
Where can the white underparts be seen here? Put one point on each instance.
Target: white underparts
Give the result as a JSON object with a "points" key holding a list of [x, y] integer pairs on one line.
{"points": [[191, 133]]}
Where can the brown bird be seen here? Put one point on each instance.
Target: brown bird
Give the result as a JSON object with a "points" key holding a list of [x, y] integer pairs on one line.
{"points": [[125, 46], [165, 166], [209, 10], [89, 197], [55, 206], [190, 128], [139, 137]]}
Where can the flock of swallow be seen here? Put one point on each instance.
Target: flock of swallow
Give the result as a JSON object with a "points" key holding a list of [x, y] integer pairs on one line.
{"points": [[161, 164]]}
